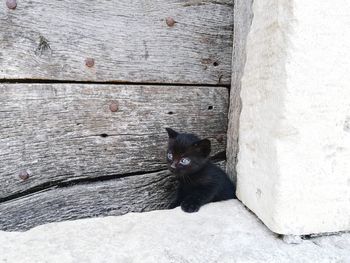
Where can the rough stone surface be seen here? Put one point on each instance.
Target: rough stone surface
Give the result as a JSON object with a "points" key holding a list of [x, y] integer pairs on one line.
{"points": [[242, 20], [219, 232], [293, 164]]}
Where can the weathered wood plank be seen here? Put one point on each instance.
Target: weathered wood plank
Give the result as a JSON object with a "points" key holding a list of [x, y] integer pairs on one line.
{"points": [[243, 16], [113, 197], [65, 132], [129, 41]]}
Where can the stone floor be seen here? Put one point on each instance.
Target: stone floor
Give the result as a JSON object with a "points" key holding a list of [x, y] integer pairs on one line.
{"points": [[219, 232]]}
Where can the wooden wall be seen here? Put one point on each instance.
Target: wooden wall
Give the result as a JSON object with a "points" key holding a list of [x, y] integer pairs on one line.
{"points": [[86, 90]]}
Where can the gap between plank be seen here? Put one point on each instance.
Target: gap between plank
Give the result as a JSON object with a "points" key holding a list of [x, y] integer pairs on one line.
{"points": [[221, 156], [43, 81], [62, 184]]}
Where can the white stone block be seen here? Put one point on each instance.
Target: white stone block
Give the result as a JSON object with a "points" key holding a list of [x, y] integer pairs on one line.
{"points": [[294, 136]]}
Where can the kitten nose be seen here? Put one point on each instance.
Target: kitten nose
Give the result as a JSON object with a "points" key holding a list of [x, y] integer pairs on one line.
{"points": [[173, 165]]}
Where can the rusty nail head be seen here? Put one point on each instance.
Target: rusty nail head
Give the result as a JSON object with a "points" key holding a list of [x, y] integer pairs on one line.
{"points": [[170, 21], [24, 175], [11, 4], [89, 62], [113, 106]]}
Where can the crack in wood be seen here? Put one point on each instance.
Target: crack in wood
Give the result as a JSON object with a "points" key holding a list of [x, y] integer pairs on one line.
{"points": [[115, 82], [221, 156], [106, 135], [206, 2], [140, 193], [61, 184]]}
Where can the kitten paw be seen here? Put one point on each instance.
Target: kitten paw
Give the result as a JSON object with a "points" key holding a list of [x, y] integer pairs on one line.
{"points": [[190, 206], [173, 205]]}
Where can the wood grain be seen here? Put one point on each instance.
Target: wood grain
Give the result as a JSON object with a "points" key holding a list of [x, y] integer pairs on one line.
{"points": [[243, 16], [129, 41], [65, 132], [105, 198], [113, 197]]}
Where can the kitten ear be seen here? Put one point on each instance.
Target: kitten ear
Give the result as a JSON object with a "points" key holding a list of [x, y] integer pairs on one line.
{"points": [[203, 146], [172, 134]]}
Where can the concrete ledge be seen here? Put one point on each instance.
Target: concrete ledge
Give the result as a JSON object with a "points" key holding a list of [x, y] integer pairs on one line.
{"points": [[219, 232]]}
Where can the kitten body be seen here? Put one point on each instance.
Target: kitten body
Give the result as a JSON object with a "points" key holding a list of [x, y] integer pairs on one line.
{"points": [[200, 181]]}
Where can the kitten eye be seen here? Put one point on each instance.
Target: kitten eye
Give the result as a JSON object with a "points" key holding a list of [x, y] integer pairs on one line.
{"points": [[185, 161], [170, 156]]}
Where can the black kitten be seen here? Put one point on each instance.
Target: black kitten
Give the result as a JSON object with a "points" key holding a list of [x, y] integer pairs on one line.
{"points": [[200, 181]]}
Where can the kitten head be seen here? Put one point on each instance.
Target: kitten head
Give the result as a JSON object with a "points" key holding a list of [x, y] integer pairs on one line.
{"points": [[186, 152]]}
